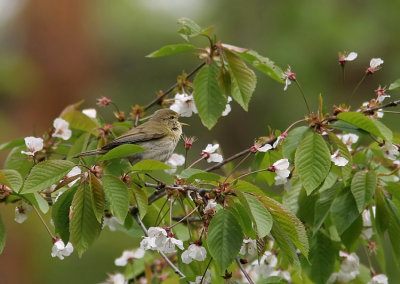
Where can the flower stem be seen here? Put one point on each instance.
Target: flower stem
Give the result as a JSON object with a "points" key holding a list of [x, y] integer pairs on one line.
{"points": [[238, 164], [356, 88], [195, 162], [184, 218], [44, 223], [250, 173], [302, 94]]}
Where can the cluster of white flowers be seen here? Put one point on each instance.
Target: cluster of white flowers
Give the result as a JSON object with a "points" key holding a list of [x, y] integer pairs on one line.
{"points": [[209, 153], [367, 232], [281, 168], [60, 249], [194, 252], [379, 279], [128, 256], [348, 139], [349, 268], [266, 268], [21, 212], [174, 161], [158, 239], [338, 160], [249, 247], [390, 151]]}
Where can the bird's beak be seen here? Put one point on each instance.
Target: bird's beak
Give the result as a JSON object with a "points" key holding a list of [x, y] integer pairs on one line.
{"points": [[184, 124]]}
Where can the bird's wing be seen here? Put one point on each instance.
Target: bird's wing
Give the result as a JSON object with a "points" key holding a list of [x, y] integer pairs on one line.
{"points": [[135, 135]]}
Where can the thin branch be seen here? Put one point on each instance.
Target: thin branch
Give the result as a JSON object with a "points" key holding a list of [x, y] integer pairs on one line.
{"points": [[244, 271], [44, 223], [181, 219], [174, 268], [170, 89], [390, 104]]}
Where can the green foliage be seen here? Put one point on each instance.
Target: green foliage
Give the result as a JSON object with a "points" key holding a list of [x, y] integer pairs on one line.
{"points": [[150, 165], [141, 200], [78, 120], [171, 49], [60, 213], [12, 179], [224, 238], [395, 85], [117, 195], [2, 235], [122, 151], [362, 186], [97, 196], [292, 141]]}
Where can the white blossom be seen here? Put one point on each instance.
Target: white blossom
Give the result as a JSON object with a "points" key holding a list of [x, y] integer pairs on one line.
{"points": [[184, 105], [227, 107], [21, 212], [117, 278], [280, 167], [169, 245], [73, 172], [60, 249], [390, 151], [249, 247], [266, 266], [349, 268], [129, 255], [33, 144], [157, 240], [265, 148], [348, 139], [367, 231], [288, 76], [201, 280], [278, 139], [211, 204], [339, 160], [194, 252], [379, 279], [284, 274], [90, 112], [375, 63], [61, 129], [174, 161], [381, 98], [211, 156], [351, 56], [111, 222], [379, 113]]}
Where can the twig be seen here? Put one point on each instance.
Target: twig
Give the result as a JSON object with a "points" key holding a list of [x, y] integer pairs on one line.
{"points": [[302, 94], [356, 88], [44, 223], [158, 99], [244, 271], [185, 217], [390, 104], [174, 268]]}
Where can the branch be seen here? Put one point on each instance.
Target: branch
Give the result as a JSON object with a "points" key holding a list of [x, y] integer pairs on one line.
{"points": [[390, 104], [244, 271], [174, 268], [170, 89]]}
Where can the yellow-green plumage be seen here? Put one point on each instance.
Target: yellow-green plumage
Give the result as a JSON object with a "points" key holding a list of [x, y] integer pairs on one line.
{"points": [[159, 136]]}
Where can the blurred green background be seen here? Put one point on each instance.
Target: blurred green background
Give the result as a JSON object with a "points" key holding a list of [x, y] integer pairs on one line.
{"points": [[54, 53]]}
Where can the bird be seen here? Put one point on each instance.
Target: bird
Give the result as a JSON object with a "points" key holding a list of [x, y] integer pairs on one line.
{"points": [[159, 136]]}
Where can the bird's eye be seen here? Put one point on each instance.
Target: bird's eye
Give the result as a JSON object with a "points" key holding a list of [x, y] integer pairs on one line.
{"points": [[171, 117]]}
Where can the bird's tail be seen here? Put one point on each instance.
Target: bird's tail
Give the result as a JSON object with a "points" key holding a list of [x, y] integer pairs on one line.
{"points": [[90, 153]]}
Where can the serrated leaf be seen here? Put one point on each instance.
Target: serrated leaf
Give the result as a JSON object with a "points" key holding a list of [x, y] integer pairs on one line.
{"points": [[312, 161], [322, 257], [362, 186], [187, 173], [292, 141], [243, 79], [17, 161], [171, 49], [11, 178], [224, 81], [370, 125], [344, 210], [260, 216], [289, 223], [12, 144], [284, 243], [210, 101], [224, 238], [150, 165], [141, 200], [79, 146], [263, 64], [347, 127], [2, 235], [242, 215], [60, 213], [98, 199], [245, 186], [344, 152], [80, 121], [122, 151], [45, 174], [188, 28], [84, 227], [117, 195], [395, 85], [324, 204], [38, 201]]}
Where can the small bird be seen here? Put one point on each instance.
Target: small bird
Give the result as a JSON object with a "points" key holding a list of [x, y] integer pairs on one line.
{"points": [[159, 136]]}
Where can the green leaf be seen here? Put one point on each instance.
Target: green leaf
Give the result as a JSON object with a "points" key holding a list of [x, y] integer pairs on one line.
{"points": [[347, 127], [322, 257], [344, 152], [263, 64], [351, 236], [204, 176], [2, 235], [210, 101], [98, 200], [245, 186], [84, 227], [38, 201], [243, 79], [187, 173], [224, 238], [288, 222], [224, 81], [395, 85], [117, 195], [292, 141], [12, 144], [80, 121], [324, 204], [171, 49], [79, 146], [263, 161], [188, 29], [242, 215], [344, 210], [370, 125], [260, 216], [312, 161], [122, 151], [60, 213], [19, 162], [141, 200], [45, 174], [284, 243], [362, 186], [12, 179], [150, 165]]}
